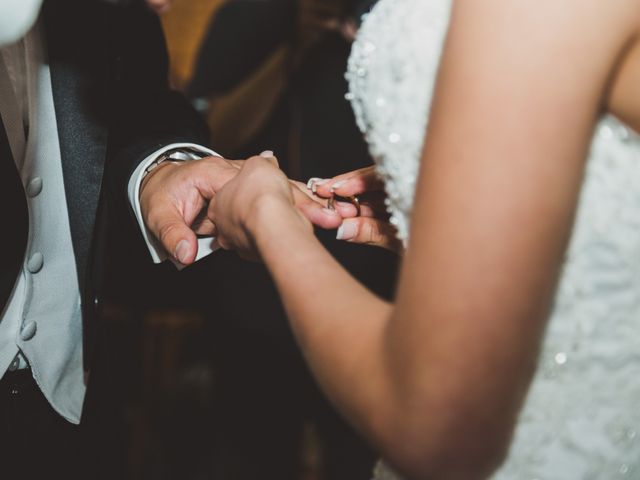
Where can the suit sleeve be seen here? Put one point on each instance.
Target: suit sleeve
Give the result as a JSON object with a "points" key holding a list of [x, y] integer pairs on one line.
{"points": [[145, 113]]}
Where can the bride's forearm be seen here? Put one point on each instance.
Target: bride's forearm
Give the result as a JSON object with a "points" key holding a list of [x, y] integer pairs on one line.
{"points": [[339, 324], [373, 361]]}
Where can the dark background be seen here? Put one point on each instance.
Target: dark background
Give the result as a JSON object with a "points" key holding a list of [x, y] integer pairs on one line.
{"points": [[210, 376]]}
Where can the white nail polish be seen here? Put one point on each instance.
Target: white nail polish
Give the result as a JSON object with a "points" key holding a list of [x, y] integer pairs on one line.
{"points": [[312, 181], [318, 183], [347, 231], [267, 154]]}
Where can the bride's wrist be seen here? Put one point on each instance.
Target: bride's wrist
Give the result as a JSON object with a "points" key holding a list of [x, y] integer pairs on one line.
{"points": [[272, 215]]}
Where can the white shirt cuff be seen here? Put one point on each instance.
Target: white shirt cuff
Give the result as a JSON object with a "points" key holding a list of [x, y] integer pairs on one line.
{"points": [[206, 245]]}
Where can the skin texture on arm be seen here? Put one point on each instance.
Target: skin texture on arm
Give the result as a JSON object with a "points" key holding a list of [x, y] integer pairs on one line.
{"points": [[437, 380], [518, 95]]}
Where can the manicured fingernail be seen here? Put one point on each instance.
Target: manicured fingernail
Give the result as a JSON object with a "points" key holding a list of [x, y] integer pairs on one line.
{"points": [[339, 184], [347, 230], [314, 186], [316, 183], [312, 181], [267, 154], [182, 251]]}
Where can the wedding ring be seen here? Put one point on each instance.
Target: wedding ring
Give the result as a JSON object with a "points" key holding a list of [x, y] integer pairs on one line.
{"points": [[353, 200]]}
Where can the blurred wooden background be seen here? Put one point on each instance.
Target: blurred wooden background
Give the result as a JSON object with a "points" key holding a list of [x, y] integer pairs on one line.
{"points": [[185, 25]]}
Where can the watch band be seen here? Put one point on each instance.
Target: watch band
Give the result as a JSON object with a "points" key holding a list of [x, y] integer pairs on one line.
{"points": [[167, 156]]}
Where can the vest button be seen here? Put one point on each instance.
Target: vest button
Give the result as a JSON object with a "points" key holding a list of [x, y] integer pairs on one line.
{"points": [[29, 331], [34, 187], [15, 363], [34, 265]]}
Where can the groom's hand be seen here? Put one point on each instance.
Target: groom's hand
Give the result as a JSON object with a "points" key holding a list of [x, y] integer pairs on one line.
{"points": [[175, 195], [173, 201]]}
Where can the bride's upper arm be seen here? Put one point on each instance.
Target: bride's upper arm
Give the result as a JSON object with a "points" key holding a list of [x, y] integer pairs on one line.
{"points": [[520, 88]]}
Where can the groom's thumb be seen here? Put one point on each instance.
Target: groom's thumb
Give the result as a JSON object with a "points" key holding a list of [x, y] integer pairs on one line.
{"points": [[177, 238]]}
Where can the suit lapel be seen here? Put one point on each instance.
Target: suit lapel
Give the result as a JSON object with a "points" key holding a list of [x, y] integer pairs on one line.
{"points": [[76, 52]]}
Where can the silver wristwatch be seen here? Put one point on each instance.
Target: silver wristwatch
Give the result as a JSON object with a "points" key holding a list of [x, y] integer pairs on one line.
{"points": [[171, 155]]}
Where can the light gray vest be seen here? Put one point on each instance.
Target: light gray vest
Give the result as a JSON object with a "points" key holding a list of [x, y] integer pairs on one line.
{"points": [[43, 317]]}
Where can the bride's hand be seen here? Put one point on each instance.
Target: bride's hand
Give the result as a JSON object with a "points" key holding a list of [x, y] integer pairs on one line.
{"points": [[372, 227], [261, 194]]}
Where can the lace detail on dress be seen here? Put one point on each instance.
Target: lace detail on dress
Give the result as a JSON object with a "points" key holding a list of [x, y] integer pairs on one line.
{"points": [[398, 50], [581, 419]]}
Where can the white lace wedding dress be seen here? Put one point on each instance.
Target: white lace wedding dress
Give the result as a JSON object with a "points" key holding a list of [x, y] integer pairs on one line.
{"points": [[582, 417]]}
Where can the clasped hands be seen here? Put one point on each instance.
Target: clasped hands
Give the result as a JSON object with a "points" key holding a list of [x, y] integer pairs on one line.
{"points": [[234, 200]]}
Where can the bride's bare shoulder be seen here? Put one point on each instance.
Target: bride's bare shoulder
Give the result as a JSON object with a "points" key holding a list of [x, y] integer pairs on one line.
{"points": [[595, 40]]}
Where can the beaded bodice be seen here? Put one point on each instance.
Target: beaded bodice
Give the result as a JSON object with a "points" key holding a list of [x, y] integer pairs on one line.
{"points": [[581, 419]]}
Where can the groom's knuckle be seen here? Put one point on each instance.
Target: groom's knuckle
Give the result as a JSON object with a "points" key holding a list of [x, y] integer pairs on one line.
{"points": [[222, 241], [166, 230]]}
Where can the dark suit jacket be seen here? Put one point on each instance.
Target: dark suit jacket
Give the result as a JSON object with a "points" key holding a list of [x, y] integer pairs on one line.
{"points": [[113, 108]]}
